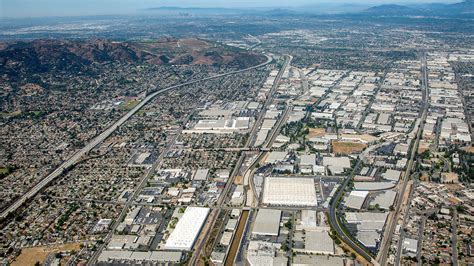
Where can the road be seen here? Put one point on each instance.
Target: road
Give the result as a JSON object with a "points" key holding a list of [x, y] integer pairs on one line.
{"points": [[223, 196], [421, 231], [402, 231], [391, 224], [336, 224], [101, 137], [248, 173], [454, 237]]}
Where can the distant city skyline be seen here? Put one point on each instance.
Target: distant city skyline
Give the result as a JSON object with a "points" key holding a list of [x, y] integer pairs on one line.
{"points": [[46, 8]]}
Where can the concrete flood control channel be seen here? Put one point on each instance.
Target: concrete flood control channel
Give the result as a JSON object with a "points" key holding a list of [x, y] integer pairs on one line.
{"points": [[234, 247]]}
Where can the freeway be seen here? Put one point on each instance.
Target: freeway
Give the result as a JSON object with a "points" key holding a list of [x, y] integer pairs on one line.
{"points": [[391, 223], [200, 243], [248, 173], [74, 159]]}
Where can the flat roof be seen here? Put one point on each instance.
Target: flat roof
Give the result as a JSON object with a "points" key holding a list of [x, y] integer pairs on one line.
{"points": [[156, 256], [373, 185], [318, 242], [267, 222], [356, 199], [276, 156], [337, 161], [308, 159], [368, 239], [410, 245], [307, 260], [392, 175], [187, 229], [385, 199], [357, 217], [201, 174], [289, 191]]}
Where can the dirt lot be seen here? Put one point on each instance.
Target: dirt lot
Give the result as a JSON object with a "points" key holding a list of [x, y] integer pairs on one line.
{"points": [[450, 177], [469, 149], [423, 147], [316, 132], [238, 180], [347, 147], [29, 256]]}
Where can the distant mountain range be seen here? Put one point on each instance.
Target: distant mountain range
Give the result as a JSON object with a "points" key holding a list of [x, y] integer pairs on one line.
{"points": [[434, 9], [465, 8]]}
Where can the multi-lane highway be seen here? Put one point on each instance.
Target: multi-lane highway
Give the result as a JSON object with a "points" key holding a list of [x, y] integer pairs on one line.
{"points": [[391, 223], [74, 159], [223, 196]]}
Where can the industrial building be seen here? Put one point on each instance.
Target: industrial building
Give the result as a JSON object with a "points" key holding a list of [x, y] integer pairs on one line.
{"points": [[187, 229], [138, 257], [373, 185], [356, 199], [267, 222], [318, 242], [392, 175], [289, 191], [384, 200], [369, 226]]}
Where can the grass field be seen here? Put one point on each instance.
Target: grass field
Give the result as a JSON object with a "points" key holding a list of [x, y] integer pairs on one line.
{"points": [[347, 147], [129, 105], [4, 170]]}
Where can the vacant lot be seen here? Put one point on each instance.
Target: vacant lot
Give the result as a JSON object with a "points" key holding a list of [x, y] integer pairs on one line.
{"points": [[343, 147], [238, 180], [469, 149], [29, 256], [130, 104], [316, 132]]}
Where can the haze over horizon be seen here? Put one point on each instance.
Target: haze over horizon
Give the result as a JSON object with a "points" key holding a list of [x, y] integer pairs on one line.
{"points": [[46, 8]]}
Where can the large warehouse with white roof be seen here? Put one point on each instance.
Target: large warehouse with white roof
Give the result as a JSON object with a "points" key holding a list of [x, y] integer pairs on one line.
{"points": [[289, 191], [187, 229]]}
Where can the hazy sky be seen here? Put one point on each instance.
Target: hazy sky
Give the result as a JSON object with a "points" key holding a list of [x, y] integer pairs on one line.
{"points": [[40, 8]]}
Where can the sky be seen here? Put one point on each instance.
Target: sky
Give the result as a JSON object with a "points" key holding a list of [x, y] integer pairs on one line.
{"points": [[45, 8]]}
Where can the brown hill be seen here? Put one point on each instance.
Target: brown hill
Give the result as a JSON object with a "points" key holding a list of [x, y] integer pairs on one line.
{"points": [[69, 55]]}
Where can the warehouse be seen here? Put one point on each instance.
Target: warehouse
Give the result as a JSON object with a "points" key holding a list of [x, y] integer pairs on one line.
{"points": [[370, 186], [285, 191], [276, 156], [356, 199], [392, 175], [308, 159], [267, 222], [384, 200], [140, 256], [318, 242], [187, 229]]}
